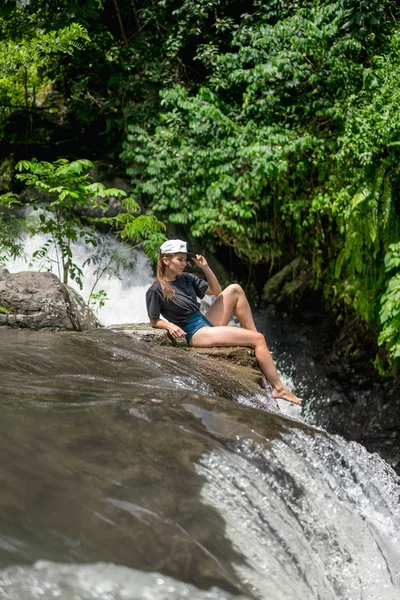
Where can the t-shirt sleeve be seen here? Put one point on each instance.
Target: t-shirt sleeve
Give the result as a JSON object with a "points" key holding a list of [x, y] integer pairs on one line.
{"points": [[153, 303], [200, 285]]}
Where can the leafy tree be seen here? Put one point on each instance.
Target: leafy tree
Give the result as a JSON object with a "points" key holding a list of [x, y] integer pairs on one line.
{"points": [[135, 48], [23, 62], [368, 206], [64, 189], [290, 148], [10, 238], [390, 301]]}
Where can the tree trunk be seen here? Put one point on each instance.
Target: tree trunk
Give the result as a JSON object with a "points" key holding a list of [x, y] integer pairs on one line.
{"points": [[121, 26]]}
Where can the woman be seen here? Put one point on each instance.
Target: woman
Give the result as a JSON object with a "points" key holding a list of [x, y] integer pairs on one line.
{"points": [[174, 296]]}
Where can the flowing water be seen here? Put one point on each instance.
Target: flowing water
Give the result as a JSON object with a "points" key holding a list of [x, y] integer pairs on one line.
{"points": [[125, 476], [125, 281]]}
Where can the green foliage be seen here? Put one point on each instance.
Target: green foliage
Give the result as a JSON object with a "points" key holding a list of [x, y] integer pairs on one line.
{"points": [[64, 191], [23, 62], [390, 305], [38, 50], [98, 300], [144, 230], [10, 238], [134, 49], [368, 208], [290, 147], [235, 160]]}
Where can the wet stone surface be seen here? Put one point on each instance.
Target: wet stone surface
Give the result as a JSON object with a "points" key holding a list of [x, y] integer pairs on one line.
{"points": [[100, 442], [129, 454], [231, 371]]}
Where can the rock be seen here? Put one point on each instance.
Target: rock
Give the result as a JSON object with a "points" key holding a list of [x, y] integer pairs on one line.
{"points": [[143, 332], [231, 371], [238, 355], [6, 173], [35, 300], [288, 285]]}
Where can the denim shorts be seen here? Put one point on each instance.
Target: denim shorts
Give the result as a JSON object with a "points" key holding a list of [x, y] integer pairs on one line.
{"points": [[196, 321]]}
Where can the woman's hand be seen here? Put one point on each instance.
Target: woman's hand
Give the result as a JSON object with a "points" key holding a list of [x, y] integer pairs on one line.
{"points": [[214, 288], [200, 261], [175, 331]]}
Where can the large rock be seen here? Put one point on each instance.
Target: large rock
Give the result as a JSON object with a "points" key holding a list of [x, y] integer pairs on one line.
{"points": [[232, 371], [40, 301]]}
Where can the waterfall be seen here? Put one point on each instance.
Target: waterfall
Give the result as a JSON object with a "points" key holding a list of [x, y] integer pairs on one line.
{"points": [[315, 516], [46, 581], [123, 458], [125, 289], [126, 477]]}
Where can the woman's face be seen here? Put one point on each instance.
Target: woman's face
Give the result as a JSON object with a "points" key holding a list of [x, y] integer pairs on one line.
{"points": [[176, 263]]}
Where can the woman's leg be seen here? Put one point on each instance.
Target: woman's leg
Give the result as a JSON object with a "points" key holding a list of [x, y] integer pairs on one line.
{"points": [[208, 337], [231, 299]]}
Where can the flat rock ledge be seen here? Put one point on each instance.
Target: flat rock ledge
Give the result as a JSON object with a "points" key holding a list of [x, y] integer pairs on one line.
{"points": [[143, 332], [36, 300]]}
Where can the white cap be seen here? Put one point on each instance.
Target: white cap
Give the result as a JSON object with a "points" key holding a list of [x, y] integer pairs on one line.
{"points": [[173, 246]]}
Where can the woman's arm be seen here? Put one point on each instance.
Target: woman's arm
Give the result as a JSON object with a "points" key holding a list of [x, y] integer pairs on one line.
{"points": [[214, 288], [174, 330]]}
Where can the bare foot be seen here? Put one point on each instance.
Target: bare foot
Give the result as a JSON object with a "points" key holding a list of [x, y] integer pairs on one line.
{"points": [[285, 394]]}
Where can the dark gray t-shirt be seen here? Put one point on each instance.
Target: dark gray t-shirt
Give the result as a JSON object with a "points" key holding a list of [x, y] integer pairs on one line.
{"points": [[188, 288]]}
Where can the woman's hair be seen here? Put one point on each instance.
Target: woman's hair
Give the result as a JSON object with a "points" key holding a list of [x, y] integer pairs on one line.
{"points": [[167, 289]]}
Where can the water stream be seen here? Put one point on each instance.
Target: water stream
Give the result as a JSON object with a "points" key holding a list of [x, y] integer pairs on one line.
{"points": [[125, 476], [124, 283]]}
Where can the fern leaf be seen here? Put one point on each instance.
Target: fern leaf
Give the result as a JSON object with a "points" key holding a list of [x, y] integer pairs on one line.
{"points": [[360, 197], [386, 201], [373, 221]]}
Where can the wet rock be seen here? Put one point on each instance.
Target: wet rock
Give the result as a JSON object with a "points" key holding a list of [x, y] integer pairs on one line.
{"points": [[35, 300], [238, 355], [231, 371], [112, 447], [230, 379]]}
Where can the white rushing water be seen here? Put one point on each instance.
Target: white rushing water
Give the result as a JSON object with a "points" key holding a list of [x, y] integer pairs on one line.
{"points": [[47, 580], [125, 290], [327, 505]]}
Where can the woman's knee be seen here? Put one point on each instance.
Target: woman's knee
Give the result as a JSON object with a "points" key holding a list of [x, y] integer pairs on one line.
{"points": [[258, 340], [234, 289]]}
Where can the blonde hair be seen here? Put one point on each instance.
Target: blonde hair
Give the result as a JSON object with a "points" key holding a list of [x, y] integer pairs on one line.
{"points": [[167, 289]]}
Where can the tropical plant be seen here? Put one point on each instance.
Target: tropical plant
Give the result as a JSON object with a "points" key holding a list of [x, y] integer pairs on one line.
{"points": [[23, 63], [10, 238], [390, 305], [64, 191]]}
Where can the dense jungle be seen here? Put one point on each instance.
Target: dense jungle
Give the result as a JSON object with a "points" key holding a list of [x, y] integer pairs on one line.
{"points": [[265, 132]]}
